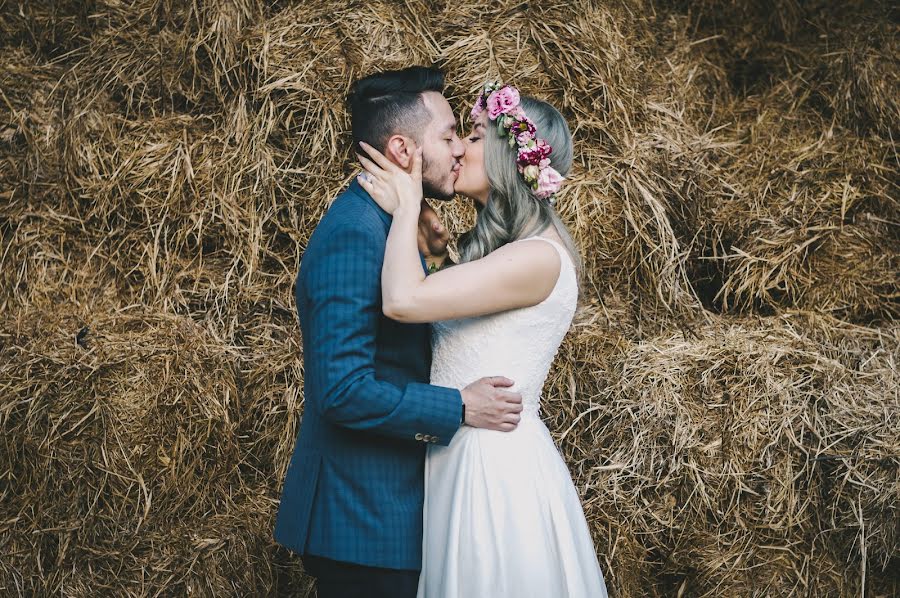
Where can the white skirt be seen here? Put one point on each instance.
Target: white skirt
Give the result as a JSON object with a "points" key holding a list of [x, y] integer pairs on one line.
{"points": [[503, 519]]}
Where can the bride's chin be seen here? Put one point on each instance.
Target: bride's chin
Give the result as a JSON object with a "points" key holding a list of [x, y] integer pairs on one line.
{"points": [[461, 192]]}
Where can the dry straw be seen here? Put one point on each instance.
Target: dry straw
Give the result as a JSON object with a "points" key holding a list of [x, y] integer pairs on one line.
{"points": [[727, 401]]}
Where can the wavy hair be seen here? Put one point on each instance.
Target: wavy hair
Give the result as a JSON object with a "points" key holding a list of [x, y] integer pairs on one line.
{"points": [[512, 211]]}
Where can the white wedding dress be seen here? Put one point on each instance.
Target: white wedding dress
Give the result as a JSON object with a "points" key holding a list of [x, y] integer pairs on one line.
{"points": [[502, 517]]}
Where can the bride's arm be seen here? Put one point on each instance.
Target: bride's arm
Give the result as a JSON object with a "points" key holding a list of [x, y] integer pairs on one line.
{"points": [[516, 275]]}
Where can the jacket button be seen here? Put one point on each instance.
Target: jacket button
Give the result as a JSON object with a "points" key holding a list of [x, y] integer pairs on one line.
{"points": [[434, 439], [419, 437], [427, 438]]}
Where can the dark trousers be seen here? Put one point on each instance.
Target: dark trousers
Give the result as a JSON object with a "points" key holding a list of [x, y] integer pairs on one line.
{"points": [[338, 579]]}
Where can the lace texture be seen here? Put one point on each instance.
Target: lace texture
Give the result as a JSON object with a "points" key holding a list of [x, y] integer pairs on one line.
{"points": [[502, 516], [519, 344]]}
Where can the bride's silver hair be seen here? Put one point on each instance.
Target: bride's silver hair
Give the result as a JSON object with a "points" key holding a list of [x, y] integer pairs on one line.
{"points": [[512, 211]]}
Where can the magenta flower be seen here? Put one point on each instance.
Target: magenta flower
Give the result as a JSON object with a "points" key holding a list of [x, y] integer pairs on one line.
{"points": [[535, 155]]}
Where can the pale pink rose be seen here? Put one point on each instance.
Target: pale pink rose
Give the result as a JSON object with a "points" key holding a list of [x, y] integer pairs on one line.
{"points": [[549, 182], [518, 112], [502, 101], [544, 163]]}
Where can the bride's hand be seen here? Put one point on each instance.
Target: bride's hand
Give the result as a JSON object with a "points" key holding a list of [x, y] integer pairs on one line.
{"points": [[389, 185]]}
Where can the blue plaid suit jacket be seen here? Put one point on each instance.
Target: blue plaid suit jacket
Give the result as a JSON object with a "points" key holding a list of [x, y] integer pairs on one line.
{"points": [[354, 489]]}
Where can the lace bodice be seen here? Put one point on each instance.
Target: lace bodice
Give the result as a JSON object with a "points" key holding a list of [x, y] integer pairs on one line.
{"points": [[519, 344]]}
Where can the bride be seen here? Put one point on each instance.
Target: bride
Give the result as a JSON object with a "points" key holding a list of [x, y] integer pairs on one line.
{"points": [[502, 517]]}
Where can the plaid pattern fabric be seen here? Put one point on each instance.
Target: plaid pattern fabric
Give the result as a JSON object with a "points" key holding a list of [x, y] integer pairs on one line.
{"points": [[354, 488]]}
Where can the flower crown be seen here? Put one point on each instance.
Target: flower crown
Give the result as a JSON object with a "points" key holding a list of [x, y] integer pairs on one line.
{"points": [[532, 157]]}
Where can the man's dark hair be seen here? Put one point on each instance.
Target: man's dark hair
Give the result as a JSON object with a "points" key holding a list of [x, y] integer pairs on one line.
{"points": [[390, 102]]}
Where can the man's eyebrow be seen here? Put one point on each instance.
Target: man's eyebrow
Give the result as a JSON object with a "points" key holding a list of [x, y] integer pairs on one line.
{"points": [[450, 126]]}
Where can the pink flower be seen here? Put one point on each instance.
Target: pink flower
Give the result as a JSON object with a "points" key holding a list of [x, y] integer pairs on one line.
{"points": [[502, 101], [524, 136], [477, 109], [549, 182]]}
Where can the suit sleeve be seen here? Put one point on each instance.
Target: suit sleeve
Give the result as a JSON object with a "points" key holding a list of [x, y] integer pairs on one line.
{"points": [[343, 286]]}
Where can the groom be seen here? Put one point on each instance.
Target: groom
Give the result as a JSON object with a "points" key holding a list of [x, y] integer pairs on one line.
{"points": [[353, 494]]}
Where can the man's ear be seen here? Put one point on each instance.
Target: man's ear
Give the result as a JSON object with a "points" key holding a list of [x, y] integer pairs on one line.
{"points": [[399, 150]]}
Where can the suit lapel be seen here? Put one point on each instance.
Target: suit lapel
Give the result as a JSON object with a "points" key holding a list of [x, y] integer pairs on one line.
{"points": [[357, 189]]}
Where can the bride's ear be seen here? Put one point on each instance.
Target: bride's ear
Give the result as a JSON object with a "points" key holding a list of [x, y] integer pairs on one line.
{"points": [[399, 150]]}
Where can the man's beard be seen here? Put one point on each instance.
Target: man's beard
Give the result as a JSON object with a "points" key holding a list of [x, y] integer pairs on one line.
{"points": [[429, 189]]}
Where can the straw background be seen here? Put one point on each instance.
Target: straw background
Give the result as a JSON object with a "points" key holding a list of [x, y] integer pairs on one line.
{"points": [[728, 400]]}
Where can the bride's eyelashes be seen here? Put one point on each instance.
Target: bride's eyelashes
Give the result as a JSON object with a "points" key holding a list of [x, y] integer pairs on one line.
{"points": [[473, 139]]}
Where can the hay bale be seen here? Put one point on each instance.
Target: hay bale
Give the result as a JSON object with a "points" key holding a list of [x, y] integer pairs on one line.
{"points": [[163, 165], [750, 459], [812, 225], [158, 57], [29, 123], [50, 28], [621, 199], [125, 460], [151, 56], [804, 159], [846, 51]]}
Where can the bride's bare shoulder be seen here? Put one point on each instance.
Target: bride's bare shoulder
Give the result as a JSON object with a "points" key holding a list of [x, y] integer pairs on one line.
{"points": [[531, 257]]}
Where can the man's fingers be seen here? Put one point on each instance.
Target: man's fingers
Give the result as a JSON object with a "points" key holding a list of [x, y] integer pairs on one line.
{"points": [[509, 397], [499, 381], [429, 217]]}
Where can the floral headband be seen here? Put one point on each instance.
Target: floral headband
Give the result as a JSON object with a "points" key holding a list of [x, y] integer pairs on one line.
{"points": [[532, 157]]}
